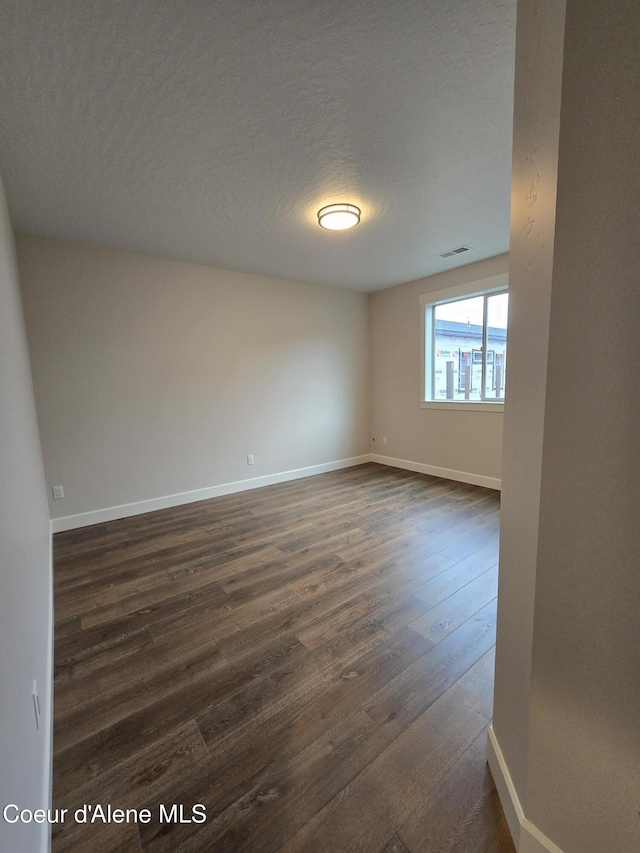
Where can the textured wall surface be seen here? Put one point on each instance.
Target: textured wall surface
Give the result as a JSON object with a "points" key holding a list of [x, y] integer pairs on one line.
{"points": [[535, 154], [567, 695], [583, 787], [25, 574], [156, 377], [213, 131]]}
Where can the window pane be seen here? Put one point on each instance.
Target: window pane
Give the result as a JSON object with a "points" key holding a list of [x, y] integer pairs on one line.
{"points": [[496, 345], [457, 363]]}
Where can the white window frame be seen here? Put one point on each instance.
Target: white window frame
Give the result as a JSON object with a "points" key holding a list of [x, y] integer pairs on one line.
{"points": [[428, 302]]}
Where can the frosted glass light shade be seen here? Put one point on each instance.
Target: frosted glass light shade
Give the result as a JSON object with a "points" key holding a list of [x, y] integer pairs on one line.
{"points": [[339, 217]]}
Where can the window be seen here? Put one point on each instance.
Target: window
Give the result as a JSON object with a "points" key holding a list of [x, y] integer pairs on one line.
{"points": [[464, 335]]}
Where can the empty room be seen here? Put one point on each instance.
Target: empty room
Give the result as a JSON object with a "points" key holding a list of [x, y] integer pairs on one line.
{"points": [[318, 426]]}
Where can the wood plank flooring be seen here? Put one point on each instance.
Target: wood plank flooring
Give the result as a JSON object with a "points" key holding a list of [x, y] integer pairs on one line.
{"points": [[312, 662]]}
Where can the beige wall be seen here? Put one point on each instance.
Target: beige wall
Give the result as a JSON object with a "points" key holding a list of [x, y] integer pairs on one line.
{"points": [[567, 699], [156, 377], [583, 785], [468, 442], [25, 573], [539, 45]]}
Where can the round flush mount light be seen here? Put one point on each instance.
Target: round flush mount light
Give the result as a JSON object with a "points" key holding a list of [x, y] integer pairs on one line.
{"points": [[339, 217]]}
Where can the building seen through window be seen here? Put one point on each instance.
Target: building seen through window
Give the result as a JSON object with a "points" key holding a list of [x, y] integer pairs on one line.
{"points": [[469, 356]]}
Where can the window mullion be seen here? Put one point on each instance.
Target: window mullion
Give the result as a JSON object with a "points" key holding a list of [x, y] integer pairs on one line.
{"points": [[485, 310], [433, 352]]}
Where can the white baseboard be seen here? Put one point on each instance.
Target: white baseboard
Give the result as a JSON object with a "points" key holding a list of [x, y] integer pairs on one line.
{"points": [[526, 836], [98, 516], [504, 785], [48, 772], [111, 513], [435, 471]]}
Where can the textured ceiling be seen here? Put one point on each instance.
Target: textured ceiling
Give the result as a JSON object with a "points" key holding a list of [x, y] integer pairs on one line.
{"points": [[213, 131]]}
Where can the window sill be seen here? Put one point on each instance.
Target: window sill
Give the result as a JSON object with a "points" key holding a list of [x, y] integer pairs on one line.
{"points": [[459, 406]]}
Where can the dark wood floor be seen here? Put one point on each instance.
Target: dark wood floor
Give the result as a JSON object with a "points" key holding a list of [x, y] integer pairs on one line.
{"points": [[311, 661]]}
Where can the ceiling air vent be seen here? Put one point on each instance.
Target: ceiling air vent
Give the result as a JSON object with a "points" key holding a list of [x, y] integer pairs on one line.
{"points": [[453, 252]]}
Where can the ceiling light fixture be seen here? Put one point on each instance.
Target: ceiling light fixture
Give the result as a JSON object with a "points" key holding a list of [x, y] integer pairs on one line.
{"points": [[339, 217]]}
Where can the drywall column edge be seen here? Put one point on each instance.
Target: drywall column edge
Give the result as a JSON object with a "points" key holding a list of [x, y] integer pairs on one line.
{"points": [[539, 51], [25, 572]]}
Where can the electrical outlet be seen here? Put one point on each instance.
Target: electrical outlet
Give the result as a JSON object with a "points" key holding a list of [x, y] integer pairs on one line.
{"points": [[250, 459], [384, 439], [58, 492]]}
